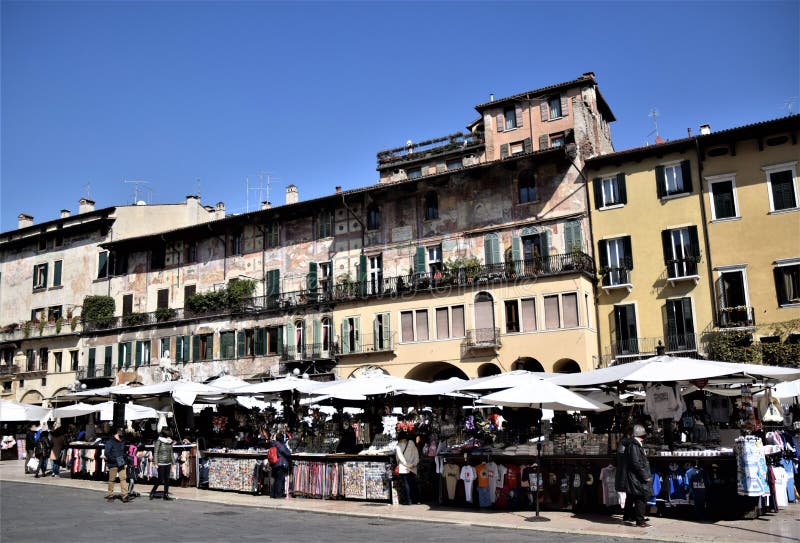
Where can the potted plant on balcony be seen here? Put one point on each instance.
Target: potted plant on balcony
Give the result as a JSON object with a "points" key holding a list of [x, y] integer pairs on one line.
{"points": [[40, 326], [134, 319], [165, 314], [59, 324], [73, 323], [26, 329]]}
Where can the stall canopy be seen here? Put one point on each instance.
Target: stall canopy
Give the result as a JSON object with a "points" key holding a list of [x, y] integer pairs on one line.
{"points": [[358, 389], [184, 392], [20, 412], [436, 388], [77, 410], [542, 394], [132, 412], [505, 380], [228, 383], [103, 392], [659, 369], [283, 384]]}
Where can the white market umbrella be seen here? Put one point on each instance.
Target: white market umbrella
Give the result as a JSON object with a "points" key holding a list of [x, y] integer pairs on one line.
{"points": [[761, 371], [542, 394], [504, 380], [790, 389], [132, 412], [306, 386], [77, 410], [103, 392], [228, 383], [436, 388], [352, 389], [20, 412], [183, 392]]}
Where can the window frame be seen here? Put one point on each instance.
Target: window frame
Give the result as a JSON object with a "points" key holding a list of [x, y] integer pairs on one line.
{"points": [[777, 168], [529, 187], [435, 263], [509, 118], [779, 267], [431, 203], [514, 306], [716, 180], [414, 325], [557, 139], [555, 99], [617, 202], [40, 276], [373, 217]]}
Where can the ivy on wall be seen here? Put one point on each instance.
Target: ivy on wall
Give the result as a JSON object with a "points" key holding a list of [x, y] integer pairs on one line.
{"points": [[738, 346]]}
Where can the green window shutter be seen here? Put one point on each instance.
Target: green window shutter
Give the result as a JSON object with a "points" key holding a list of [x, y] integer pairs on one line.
{"points": [[597, 186], [57, 273], [186, 356], [345, 337], [622, 188], [357, 334], [362, 274], [241, 346], [516, 254], [108, 361], [317, 337], [91, 363], [686, 173], [491, 249], [544, 237], [290, 335], [780, 286], [120, 355], [45, 275], [661, 182], [195, 348], [419, 260], [504, 150], [260, 346], [138, 353], [572, 236], [102, 265], [280, 338], [628, 248], [128, 346], [210, 347], [312, 276], [273, 286]]}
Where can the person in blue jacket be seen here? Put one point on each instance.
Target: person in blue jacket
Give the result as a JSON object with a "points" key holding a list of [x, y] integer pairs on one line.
{"points": [[281, 467]]}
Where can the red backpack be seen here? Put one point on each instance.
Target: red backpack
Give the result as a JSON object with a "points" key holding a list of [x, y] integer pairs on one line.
{"points": [[272, 455]]}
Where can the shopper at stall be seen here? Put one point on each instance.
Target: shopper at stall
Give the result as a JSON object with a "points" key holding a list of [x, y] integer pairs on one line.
{"points": [[407, 461], [637, 481], [42, 452], [58, 441], [115, 459], [281, 467], [162, 456], [30, 444]]}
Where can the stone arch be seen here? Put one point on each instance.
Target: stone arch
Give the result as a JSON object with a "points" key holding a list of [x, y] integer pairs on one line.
{"points": [[367, 371], [435, 371], [61, 392], [33, 397], [485, 370], [528, 364], [566, 365]]}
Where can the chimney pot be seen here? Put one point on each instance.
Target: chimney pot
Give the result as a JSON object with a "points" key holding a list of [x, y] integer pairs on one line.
{"points": [[85, 205], [266, 205], [491, 97], [588, 74], [24, 220], [219, 210], [705, 129], [338, 189], [292, 196], [65, 213]]}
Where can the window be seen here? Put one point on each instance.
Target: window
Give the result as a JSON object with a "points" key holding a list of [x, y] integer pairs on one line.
{"points": [[381, 329], [552, 319], [732, 298], [188, 292], [227, 344], [680, 325], [529, 315], [414, 325], [202, 347], [30, 360], [236, 243], [272, 238], [58, 362], [435, 260], [373, 218], [351, 335], [782, 181], [431, 206], [517, 148], [108, 361], [554, 107], [158, 257], [422, 325], [53, 313], [59, 239], [326, 336], [102, 265], [681, 251], [414, 173], [118, 263], [509, 118], [454, 164], [527, 187], [124, 355], [673, 179], [442, 323], [142, 353], [616, 261], [512, 316], [625, 330], [164, 349], [557, 140], [723, 197], [57, 273], [182, 346], [375, 278], [73, 360], [610, 191], [324, 276], [40, 276], [787, 283], [191, 252], [457, 321], [246, 342], [491, 249], [127, 304], [325, 227], [162, 298], [569, 302]]}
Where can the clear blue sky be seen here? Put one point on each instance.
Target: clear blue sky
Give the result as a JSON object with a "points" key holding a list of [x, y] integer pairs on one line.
{"points": [[172, 92]]}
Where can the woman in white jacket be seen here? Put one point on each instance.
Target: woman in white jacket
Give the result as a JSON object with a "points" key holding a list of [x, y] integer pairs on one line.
{"points": [[407, 462]]}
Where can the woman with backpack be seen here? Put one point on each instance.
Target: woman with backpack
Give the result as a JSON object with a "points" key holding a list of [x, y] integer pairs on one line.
{"points": [[162, 456], [42, 451], [282, 457]]}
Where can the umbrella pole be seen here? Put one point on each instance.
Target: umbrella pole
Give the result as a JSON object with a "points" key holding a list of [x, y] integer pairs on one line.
{"points": [[539, 477]]}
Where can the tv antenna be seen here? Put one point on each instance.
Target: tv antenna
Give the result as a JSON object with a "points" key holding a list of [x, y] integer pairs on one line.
{"points": [[138, 190], [261, 186], [654, 114], [88, 187], [789, 105]]}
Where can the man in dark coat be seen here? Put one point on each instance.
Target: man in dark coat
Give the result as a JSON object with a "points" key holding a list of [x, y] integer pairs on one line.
{"points": [[116, 460], [281, 468], [637, 480]]}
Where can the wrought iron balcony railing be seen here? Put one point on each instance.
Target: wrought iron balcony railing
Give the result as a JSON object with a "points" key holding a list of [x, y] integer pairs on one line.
{"points": [[682, 267], [94, 372], [316, 351], [613, 277], [368, 343], [736, 317], [482, 338], [9, 369]]}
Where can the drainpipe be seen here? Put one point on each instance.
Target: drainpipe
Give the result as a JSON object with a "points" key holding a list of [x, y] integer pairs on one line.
{"points": [[709, 268]]}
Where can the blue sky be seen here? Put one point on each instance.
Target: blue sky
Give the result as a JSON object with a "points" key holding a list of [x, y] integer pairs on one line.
{"points": [[172, 92]]}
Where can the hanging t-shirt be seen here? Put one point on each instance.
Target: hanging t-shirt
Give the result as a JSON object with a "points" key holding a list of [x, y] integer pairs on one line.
{"points": [[493, 473], [662, 402], [501, 493], [698, 487], [468, 475], [482, 475], [451, 474], [608, 477], [781, 482], [789, 467]]}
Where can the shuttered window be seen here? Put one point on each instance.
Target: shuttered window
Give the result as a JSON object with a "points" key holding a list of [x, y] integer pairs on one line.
{"points": [[783, 190], [102, 265], [722, 200], [573, 240], [529, 315], [162, 298], [422, 325], [527, 187], [407, 325], [491, 247], [442, 323], [457, 318], [551, 316], [570, 304], [57, 273]]}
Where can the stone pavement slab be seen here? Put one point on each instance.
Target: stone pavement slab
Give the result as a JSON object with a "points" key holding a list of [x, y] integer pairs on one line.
{"points": [[782, 527]]}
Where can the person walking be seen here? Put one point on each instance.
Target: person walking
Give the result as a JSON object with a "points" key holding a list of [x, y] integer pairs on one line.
{"points": [[42, 451], [58, 441], [281, 467], [637, 483], [407, 461], [162, 456], [30, 444], [115, 459]]}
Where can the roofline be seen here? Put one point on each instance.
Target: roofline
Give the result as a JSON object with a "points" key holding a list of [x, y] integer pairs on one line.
{"points": [[36, 227]]}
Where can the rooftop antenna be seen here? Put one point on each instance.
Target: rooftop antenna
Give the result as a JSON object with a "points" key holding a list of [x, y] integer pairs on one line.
{"points": [[197, 183], [88, 187], [654, 114], [137, 189], [789, 105], [264, 180]]}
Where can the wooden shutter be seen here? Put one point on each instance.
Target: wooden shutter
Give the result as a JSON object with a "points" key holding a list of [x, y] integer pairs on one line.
{"points": [[138, 359], [186, 355], [518, 114], [291, 334], [545, 109], [672, 323], [544, 142], [362, 274], [260, 342], [527, 145], [661, 182], [622, 189], [572, 236], [491, 249], [628, 248], [210, 347], [241, 343], [316, 337], [504, 150], [780, 286], [419, 260], [57, 273], [273, 286], [102, 265], [195, 348], [127, 304], [279, 331], [597, 185], [544, 237], [357, 334], [666, 245], [163, 298], [311, 283], [127, 354], [516, 254], [564, 105], [602, 253], [387, 329], [345, 336], [44, 275], [91, 362], [688, 321], [694, 241], [376, 334], [501, 121], [686, 173]]}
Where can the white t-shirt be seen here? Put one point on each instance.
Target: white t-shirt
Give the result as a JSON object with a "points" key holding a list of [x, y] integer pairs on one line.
{"points": [[468, 475], [493, 472], [781, 480]]}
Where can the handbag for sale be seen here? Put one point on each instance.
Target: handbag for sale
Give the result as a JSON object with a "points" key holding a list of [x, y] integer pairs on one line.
{"points": [[397, 469], [33, 464]]}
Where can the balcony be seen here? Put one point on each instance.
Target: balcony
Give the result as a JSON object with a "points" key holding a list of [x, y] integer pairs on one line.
{"points": [[736, 317], [368, 344], [6, 369], [482, 338], [682, 269], [615, 278], [316, 351], [33, 330], [94, 372], [641, 348], [425, 150]]}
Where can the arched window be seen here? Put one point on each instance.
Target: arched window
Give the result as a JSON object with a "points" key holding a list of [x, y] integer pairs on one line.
{"points": [[326, 335], [373, 217], [527, 187], [431, 206], [299, 329], [484, 317]]}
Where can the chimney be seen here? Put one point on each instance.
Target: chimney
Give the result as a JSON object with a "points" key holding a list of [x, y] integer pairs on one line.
{"points": [[219, 210], [292, 197], [689, 132], [338, 189], [588, 75], [491, 97], [705, 129], [24, 220], [65, 213], [266, 205], [85, 205]]}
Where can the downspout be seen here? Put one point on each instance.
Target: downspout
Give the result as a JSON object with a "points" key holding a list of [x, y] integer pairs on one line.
{"points": [[709, 267]]}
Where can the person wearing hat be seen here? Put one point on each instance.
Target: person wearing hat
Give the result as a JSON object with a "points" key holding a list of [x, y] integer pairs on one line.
{"points": [[637, 481], [116, 461]]}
